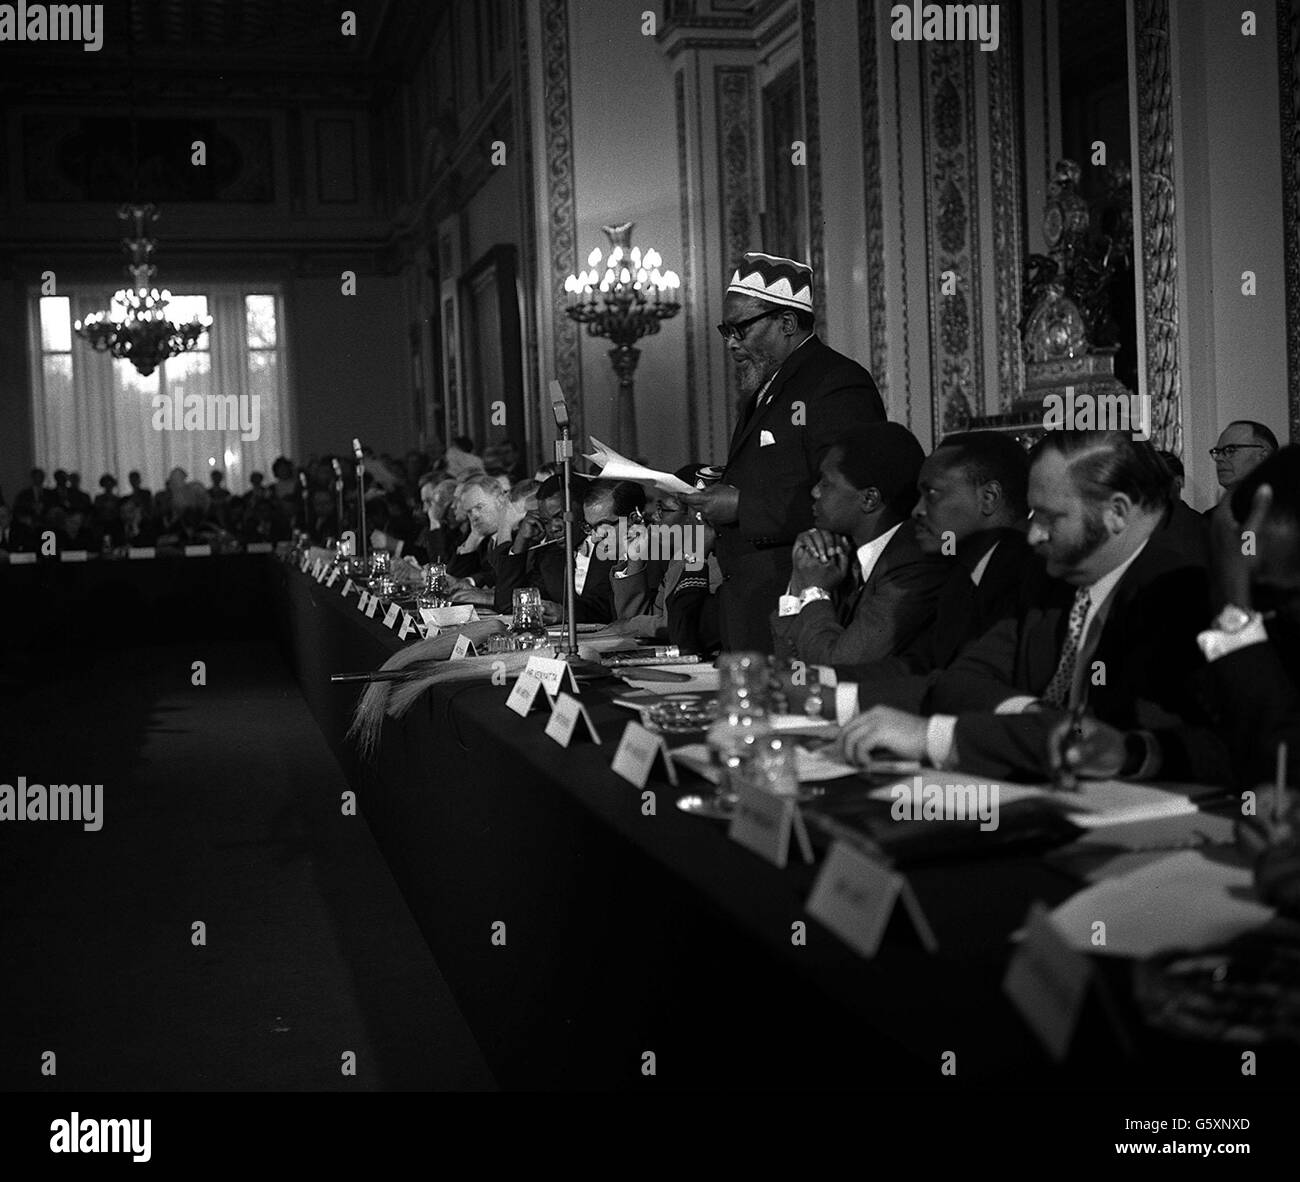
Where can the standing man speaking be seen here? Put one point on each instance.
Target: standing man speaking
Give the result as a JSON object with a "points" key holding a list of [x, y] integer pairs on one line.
{"points": [[799, 395]]}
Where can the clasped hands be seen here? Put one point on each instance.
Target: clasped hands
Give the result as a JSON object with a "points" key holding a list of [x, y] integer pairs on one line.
{"points": [[820, 559]]}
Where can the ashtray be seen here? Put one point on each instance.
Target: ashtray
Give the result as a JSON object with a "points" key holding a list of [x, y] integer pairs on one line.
{"points": [[682, 714]]}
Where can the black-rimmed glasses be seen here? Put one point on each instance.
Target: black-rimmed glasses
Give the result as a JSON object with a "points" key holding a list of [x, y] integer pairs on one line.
{"points": [[735, 330], [1232, 449]]}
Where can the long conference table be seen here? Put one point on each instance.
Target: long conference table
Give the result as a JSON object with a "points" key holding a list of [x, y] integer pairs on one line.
{"points": [[652, 951]]}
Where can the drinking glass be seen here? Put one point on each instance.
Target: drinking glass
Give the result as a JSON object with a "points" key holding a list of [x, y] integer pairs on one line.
{"points": [[742, 715], [528, 629]]}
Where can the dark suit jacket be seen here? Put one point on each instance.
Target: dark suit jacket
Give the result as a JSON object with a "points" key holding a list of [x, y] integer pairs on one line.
{"points": [[1255, 693], [889, 612], [1146, 671], [964, 613], [815, 396], [594, 604]]}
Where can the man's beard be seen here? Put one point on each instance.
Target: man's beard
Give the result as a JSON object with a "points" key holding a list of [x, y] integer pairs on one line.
{"points": [[1094, 534], [750, 376]]}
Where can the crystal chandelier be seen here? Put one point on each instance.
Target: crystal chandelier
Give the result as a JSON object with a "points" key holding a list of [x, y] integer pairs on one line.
{"points": [[624, 305], [136, 326]]}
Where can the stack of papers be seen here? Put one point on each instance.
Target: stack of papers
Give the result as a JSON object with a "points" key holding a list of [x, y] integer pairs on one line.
{"points": [[1184, 901], [1097, 803]]}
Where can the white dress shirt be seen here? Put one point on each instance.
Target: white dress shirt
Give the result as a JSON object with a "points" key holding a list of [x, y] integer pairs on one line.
{"points": [[941, 727]]}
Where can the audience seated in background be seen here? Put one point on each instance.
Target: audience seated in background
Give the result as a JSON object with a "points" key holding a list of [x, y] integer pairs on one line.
{"points": [[1243, 445], [862, 588]]}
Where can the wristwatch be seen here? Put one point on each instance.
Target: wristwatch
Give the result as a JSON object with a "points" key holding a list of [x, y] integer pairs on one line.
{"points": [[1233, 628], [1233, 619], [811, 594]]}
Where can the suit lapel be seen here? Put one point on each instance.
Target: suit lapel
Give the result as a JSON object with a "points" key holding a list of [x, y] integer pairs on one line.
{"points": [[746, 428]]}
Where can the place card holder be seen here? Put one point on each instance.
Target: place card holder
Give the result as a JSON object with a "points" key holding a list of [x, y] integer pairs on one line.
{"points": [[201, 551], [408, 626], [554, 674], [524, 694], [566, 713], [391, 616], [763, 822], [1050, 983], [258, 548], [333, 577], [23, 558], [348, 587], [463, 648], [854, 897], [74, 556], [638, 751], [362, 600], [372, 606]]}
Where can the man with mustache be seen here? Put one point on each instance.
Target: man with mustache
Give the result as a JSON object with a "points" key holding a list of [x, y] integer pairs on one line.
{"points": [[799, 396], [1108, 622]]}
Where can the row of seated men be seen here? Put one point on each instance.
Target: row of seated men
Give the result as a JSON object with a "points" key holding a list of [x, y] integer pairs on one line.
{"points": [[982, 608]]}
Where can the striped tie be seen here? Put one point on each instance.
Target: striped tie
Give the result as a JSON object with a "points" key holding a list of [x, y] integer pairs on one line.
{"points": [[1057, 693]]}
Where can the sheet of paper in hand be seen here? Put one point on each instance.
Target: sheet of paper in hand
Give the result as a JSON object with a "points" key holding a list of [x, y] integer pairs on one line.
{"points": [[616, 467]]}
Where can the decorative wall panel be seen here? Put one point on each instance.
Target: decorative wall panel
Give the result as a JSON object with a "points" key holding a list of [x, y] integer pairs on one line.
{"points": [[1159, 221], [563, 226], [869, 77], [952, 236]]}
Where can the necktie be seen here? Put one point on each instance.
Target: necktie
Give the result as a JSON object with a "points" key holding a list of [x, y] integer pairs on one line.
{"points": [[1057, 693]]}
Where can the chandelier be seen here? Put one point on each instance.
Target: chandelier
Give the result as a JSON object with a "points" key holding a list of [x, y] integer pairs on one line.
{"points": [[136, 326], [623, 305]]}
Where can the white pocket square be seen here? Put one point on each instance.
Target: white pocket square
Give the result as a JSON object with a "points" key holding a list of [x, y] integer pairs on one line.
{"points": [[765, 438]]}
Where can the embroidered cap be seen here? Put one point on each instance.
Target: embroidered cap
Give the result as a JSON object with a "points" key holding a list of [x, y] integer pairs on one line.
{"points": [[775, 280]]}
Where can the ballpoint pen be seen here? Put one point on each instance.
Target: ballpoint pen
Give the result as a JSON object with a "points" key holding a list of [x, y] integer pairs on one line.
{"points": [[1066, 780]]}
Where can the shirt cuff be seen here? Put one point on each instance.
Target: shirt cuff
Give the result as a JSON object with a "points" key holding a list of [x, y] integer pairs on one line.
{"points": [[787, 605], [1017, 705], [939, 736], [846, 701], [1215, 644]]}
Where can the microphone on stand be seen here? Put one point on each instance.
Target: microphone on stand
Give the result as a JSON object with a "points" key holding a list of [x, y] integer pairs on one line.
{"points": [[338, 494], [363, 540], [306, 502], [564, 457]]}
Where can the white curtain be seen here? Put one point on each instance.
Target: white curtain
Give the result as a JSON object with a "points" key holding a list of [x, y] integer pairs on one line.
{"points": [[93, 414]]}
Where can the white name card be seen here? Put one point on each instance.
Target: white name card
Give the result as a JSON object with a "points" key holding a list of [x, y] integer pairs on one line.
{"points": [[198, 551], [348, 588], [408, 626], [553, 674], [447, 617], [763, 822], [142, 552], [302, 566], [258, 548], [362, 600], [390, 616], [372, 607], [524, 693], [567, 712], [1048, 982], [73, 556], [637, 752], [22, 559], [321, 571], [854, 896], [334, 577], [464, 647]]}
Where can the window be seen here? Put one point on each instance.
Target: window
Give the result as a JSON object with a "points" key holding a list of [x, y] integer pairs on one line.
{"points": [[94, 414]]}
